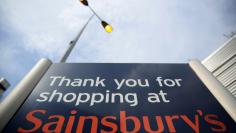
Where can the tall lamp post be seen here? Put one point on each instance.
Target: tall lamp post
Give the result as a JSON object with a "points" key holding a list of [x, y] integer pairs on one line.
{"points": [[108, 28]]}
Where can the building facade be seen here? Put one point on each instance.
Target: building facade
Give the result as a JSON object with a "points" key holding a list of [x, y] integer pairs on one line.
{"points": [[222, 64]]}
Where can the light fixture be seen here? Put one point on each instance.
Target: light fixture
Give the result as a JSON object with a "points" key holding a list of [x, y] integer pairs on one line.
{"points": [[108, 28]]}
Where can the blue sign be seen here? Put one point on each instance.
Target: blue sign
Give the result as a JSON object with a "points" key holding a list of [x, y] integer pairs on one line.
{"points": [[128, 98]]}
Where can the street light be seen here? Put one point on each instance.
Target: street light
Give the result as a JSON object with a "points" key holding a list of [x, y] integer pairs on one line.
{"points": [[105, 25], [108, 28]]}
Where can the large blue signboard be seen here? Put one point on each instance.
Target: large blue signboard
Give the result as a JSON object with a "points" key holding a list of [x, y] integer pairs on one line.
{"points": [[128, 98]]}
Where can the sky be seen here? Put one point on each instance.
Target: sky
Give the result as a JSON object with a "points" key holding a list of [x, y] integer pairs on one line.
{"points": [[145, 31]]}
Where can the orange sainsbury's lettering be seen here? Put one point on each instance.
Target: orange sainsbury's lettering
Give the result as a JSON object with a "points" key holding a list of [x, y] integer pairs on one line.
{"points": [[105, 122], [94, 121], [70, 121], [147, 126], [34, 120], [43, 121], [211, 119], [123, 123], [58, 124]]}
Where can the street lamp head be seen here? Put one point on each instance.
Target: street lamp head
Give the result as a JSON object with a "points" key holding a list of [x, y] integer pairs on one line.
{"points": [[84, 2], [107, 27]]}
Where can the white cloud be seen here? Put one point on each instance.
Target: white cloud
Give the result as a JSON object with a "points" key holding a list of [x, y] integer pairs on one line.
{"points": [[11, 67], [7, 55], [144, 31]]}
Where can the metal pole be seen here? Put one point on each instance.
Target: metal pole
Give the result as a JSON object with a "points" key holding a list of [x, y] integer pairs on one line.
{"points": [[95, 13], [10, 104], [73, 42], [223, 96]]}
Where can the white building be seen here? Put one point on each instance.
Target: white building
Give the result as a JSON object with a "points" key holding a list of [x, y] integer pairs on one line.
{"points": [[222, 63]]}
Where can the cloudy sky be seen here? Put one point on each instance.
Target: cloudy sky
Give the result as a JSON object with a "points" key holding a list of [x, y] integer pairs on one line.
{"points": [[151, 31]]}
